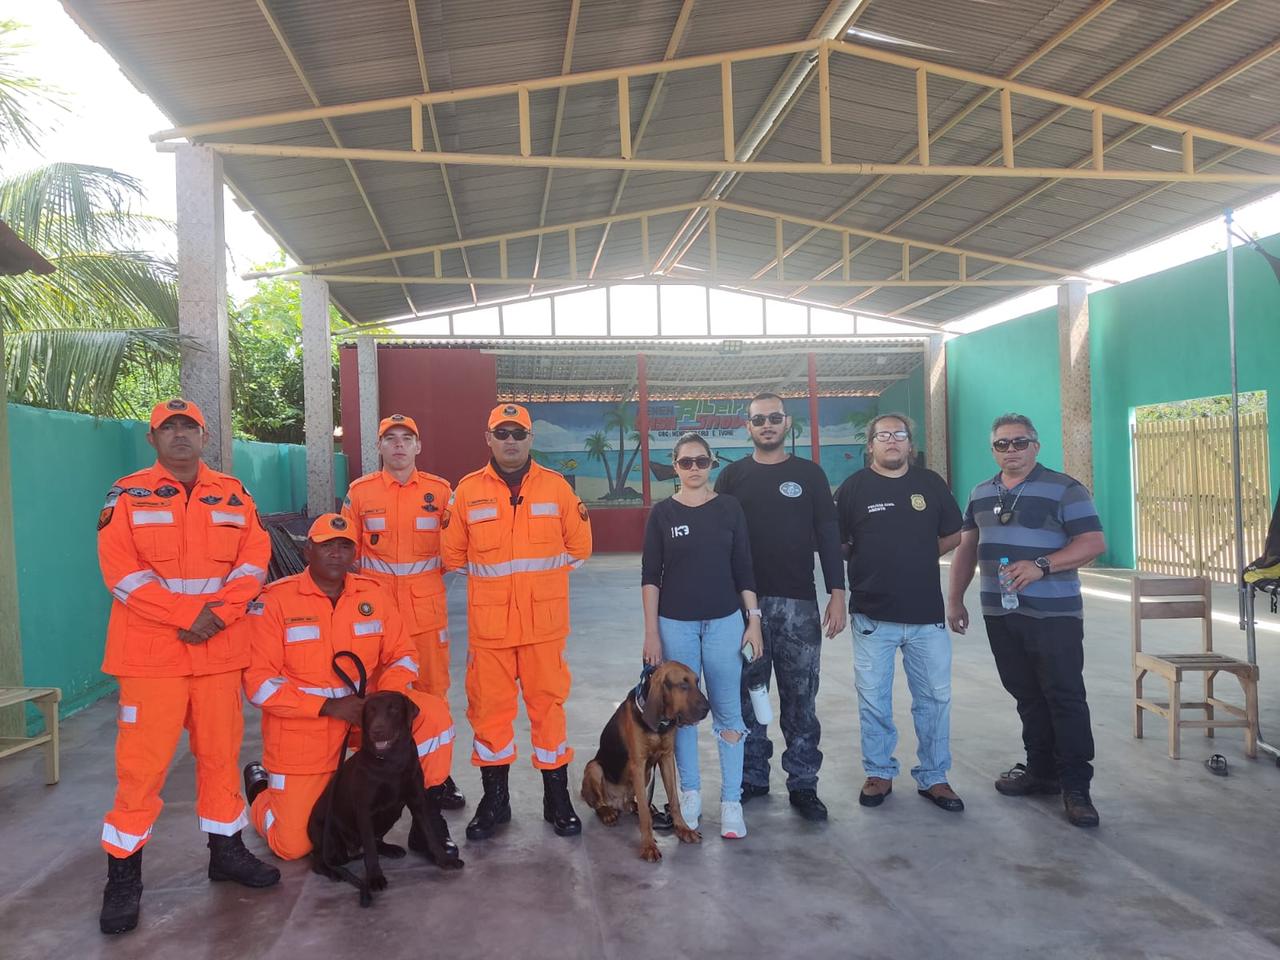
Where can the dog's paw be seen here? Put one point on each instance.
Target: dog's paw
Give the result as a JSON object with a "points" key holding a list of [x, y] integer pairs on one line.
{"points": [[390, 850], [650, 852], [452, 863], [688, 835], [608, 816], [377, 881]]}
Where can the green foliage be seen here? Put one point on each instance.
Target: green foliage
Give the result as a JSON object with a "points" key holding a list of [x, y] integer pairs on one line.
{"points": [[1254, 402]]}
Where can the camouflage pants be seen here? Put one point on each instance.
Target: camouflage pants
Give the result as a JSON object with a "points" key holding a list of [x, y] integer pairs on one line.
{"points": [[792, 652]]}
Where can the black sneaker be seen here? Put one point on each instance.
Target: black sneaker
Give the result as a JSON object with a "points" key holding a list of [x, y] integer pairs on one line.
{"points": [[1018, 781], [1080, 809], [752, 790], [807, 804]]}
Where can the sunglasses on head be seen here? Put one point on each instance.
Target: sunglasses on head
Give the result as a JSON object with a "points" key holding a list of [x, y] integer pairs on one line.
{"points": [[689, 463], [884, 436], [510, 433], [1018, 443], [760, 419]]}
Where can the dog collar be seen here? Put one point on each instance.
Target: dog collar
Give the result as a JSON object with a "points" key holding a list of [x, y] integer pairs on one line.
{"points": [[638, 697]]}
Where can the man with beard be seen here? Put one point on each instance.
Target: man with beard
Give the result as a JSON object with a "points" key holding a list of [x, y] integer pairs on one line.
{"points": [[896, 520], [789, 511]]}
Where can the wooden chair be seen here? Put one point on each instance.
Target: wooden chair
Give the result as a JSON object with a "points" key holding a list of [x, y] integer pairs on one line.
{"points": [[1188, 598], [46, 701]]}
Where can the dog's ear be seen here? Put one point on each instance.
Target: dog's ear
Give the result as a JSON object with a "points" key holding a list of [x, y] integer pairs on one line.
{"points": [[411, 707], [655, 704]]}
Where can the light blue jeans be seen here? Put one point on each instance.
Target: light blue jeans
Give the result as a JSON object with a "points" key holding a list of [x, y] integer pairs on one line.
{"points": [[926, 659], [713, 650]]}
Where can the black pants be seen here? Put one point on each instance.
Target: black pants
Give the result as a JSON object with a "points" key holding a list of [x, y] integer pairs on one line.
{"points": [[1041, 662]]}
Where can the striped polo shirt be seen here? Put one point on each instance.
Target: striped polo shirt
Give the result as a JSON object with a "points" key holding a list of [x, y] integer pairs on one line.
{"points": [[1051, 509]]}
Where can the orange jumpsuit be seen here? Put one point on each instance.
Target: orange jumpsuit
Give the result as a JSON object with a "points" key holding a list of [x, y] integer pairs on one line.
{"points": [[165, 554], [294, 630], [517, 558], [398, 545]]}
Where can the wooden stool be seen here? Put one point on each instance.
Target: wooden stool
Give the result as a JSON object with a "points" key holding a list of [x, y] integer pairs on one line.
{"points": [[1188, 598], [46, 700]]}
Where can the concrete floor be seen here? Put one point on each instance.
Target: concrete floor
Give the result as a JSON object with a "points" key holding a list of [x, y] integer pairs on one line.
{"points": [[1182, 866]]}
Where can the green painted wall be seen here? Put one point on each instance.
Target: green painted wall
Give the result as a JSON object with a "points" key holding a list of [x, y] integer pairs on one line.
{"points": [[1152, 340], [62, 466]]}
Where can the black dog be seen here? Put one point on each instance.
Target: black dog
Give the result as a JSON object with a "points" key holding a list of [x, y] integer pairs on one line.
{"points": [[368, 794]]}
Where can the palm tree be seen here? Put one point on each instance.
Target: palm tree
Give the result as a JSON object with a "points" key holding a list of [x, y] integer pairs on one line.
{"points": [[859, 419], [634, 437], [798, 426], [622, 418], [597, 446], [110, 309]]}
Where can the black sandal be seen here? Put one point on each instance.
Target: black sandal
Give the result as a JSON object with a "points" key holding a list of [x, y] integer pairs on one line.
{"points": [[1217, 765]]}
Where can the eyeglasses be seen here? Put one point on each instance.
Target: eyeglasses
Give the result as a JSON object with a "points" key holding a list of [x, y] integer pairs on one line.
{"points": [[884, 436], [1018, 443], [509, 433], [760, 419], [688, 463]]}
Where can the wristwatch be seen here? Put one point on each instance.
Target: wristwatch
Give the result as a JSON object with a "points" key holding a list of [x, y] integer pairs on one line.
{"points": [[1043, 564], [754, 612]]}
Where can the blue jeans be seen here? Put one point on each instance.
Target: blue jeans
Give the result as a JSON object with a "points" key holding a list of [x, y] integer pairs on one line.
{"points": [[713, 650], [926, 658]]}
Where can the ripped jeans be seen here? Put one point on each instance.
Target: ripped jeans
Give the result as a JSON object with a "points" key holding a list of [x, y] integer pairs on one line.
{"points": [[711, 649]]}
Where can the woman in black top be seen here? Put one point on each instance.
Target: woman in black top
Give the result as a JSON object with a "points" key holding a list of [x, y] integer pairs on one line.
{"points": [[697, 580]]}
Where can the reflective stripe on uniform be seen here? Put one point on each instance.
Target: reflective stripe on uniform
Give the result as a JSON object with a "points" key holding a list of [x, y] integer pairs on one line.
{"points": [[141, 518], [128, 714], [444, 638], [194, 587], [268, 820], [551, 756], [224, 828], [378, 565], [484, 753], [527, 565], [333, 693], [309, 631], [375, 524], [544, 509], [125, 841], [267, 690], [408, 663], [131, 582], [275, 781], [221, 516], [366, 627], [426, 523], [481, 513], [443, 738], [248, 570]]}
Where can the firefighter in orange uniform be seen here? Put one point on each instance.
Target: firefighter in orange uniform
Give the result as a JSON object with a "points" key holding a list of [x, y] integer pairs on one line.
{"points": [[395, 516], [294, 630], [182, 551], [517, 528]]}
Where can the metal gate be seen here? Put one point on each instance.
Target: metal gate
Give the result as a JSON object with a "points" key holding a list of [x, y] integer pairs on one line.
{"points": [[1185, 504]]}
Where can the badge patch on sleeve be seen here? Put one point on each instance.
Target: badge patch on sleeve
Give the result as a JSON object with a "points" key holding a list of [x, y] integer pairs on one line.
{"points": [[444, 520], [582, 510], [105, 516]]}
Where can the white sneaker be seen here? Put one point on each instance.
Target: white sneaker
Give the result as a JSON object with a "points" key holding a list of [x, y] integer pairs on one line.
{"points": [[691, 807], [732, 826]]}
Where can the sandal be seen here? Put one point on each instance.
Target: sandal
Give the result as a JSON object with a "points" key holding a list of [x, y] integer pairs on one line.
{"points": [[1217, 765]]}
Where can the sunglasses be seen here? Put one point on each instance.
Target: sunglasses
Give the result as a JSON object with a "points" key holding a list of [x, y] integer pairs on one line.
{"points": [[508, 433], [884, 436], [1018, 443], [689, 463], [760, 419]]}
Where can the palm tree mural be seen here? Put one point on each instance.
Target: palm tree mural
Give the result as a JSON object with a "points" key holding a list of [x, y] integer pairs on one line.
{"points": [[634, 437], [598, 446], [859, 419], [621, 417], [798, 426]]}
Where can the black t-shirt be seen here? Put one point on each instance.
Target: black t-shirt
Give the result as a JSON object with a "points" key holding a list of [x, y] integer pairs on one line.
{"points": [[789, 516], [893, 525], [699, 558]]}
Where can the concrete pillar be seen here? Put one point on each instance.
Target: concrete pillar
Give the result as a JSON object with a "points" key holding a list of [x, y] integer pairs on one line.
{"points": [[11, 719], [367, 373], [1075, 381], [937, 444], [317, 394], [202, 296]]}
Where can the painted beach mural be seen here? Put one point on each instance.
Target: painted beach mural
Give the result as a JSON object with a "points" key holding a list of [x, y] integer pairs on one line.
{"points": [[597, 445]]}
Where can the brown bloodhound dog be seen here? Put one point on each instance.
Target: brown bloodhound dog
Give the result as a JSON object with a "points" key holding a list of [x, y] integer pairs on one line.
{"points": [[639, 736]]}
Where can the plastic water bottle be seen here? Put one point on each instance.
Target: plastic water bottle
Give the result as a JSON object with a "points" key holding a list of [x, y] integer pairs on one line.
{"points": [[759, 693], [1008, 595]]}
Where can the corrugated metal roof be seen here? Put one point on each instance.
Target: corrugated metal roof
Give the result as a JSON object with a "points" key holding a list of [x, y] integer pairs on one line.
{"points": [[204, 61]]}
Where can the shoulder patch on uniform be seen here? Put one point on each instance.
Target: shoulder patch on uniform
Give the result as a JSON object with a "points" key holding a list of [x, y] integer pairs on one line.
{"points": [[112, 496], [211, 500], [168, 490], [138, 492], [444, 520], [105, 516], [234, 501], [255, 608], [582, 510]]}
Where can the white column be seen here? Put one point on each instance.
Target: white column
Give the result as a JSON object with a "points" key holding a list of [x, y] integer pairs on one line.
{"points": [[367, 368], [317, 394], [205, 360], [1076, 381], [935, 385]]}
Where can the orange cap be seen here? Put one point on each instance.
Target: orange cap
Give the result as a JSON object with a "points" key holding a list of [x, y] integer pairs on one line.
{"points": [[177, 407], [397, 420], [510, 413], [330, 526]]}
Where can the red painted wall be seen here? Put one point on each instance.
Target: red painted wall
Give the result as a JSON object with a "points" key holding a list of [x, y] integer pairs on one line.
{"points": [[618, 529], [449, 392]]}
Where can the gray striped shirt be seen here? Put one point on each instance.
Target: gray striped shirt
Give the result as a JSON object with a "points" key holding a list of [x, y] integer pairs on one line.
{"points": [[1051, 508]]}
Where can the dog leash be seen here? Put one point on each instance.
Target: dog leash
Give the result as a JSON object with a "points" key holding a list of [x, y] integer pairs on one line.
{"points": [[357, 689]]}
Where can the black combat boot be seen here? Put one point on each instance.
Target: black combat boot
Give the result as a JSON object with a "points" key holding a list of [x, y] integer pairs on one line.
{"points": [[256, 780], [417, 842], [451, 797], [122, 895], [230, 859], [557, 810], [494, 807]]}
